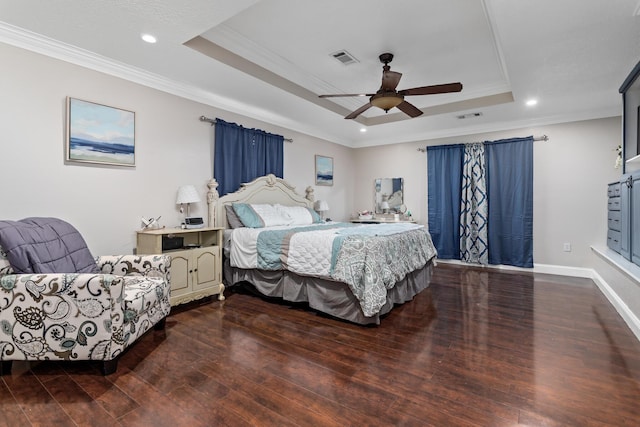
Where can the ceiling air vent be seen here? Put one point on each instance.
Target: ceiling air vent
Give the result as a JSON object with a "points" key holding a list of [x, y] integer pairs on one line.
{"points": [[468, 116], [344, 57]]}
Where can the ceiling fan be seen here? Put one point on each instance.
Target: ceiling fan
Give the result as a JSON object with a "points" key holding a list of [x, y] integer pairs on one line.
{"points": [[388, 97]]}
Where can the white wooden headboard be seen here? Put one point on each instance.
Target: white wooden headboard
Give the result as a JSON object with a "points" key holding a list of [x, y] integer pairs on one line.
{"points": [[265, 189]]}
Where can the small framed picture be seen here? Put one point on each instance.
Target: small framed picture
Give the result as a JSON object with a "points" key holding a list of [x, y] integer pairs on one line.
{"points": [[101, 134], [324, 170]]}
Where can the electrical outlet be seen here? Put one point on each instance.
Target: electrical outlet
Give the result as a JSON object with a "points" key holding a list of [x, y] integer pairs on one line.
{"points": [[566, 247]]}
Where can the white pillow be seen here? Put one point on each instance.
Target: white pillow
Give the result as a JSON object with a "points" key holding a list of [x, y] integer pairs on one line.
{"points": [[299, 215], [258, 216]]}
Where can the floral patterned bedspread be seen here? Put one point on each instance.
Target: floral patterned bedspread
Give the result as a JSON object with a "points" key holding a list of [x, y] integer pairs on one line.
{"points": [[369, 258], [372, 264]]}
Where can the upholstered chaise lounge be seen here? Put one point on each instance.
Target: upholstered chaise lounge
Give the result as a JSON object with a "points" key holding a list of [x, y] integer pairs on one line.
{"points": [[92, 313]]}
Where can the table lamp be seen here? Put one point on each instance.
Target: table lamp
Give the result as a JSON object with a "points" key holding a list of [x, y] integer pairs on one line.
{"points": [[321, 207], [188, 194]]}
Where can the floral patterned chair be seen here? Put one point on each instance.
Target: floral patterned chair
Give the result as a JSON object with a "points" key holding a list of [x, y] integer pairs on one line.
{"points": [[82, 316]]}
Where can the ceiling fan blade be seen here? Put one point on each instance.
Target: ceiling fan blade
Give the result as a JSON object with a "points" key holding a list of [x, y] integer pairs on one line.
{"points": [[359, 111], [432, 90], [390, 80], [337, 95], [409, 109]]}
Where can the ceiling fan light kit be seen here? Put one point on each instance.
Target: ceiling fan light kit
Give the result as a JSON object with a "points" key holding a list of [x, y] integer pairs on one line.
{"points": [[386, 102], [387, 97]]}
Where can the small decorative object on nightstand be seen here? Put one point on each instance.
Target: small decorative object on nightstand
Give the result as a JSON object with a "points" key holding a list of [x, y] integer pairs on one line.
{"points": [[151, 223], [383, 219], [196, 260]]}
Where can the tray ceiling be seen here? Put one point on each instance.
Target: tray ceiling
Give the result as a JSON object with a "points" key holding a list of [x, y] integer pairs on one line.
{"points": [[270, 59]]}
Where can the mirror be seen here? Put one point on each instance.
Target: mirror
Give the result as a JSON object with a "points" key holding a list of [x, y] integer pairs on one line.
{"points": [[391, 191]]}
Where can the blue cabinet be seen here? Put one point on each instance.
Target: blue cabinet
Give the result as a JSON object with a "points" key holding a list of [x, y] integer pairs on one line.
{"points": [[625, 217], [623, 233], [614, 217], [634, 218]]}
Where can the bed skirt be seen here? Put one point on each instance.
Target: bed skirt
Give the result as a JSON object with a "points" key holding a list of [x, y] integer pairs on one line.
{"points": [[327, 296]]}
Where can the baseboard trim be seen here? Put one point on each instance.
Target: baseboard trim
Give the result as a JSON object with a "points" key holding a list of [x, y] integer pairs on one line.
{"points": [[618, 262], [563, 270], [621, 307], [560, 270]]}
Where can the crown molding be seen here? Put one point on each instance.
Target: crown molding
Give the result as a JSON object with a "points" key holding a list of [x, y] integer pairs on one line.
{"points": [[34, 42], [494, 127], [46, 46]]}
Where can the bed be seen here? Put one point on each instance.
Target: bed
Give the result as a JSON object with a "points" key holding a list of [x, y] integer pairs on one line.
{"points": [[363, 271]]}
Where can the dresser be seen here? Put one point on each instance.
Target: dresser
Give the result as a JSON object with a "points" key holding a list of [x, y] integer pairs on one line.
{"points": [[623, 219], [196, 265], [626, 192], [614, 234]]}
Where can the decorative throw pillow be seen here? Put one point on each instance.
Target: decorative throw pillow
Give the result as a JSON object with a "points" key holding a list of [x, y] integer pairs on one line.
{"points": [[45, 245], [259, 215], [316, 216], [232, 217]]}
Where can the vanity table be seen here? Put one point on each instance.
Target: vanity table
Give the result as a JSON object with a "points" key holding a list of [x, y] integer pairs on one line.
{"points": [[383, 220], [388, 195], [388, 201]]}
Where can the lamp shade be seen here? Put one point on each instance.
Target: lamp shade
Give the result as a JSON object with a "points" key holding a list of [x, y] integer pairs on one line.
{"points": [[187, 194], [321, 206]]}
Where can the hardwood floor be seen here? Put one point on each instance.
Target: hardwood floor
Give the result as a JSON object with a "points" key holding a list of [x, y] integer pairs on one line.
{"points": [[477, 348]]}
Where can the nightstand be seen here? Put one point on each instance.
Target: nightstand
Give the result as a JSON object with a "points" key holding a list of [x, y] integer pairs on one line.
{"points": [[196, 266]]}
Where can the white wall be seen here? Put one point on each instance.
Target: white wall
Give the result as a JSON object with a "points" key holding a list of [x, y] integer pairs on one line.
{"points": [[571, 172], [172, 148]]}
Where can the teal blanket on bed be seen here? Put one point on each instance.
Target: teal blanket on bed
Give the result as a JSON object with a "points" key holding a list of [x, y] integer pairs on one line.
{"points": [[369, 258], [271, 243]]}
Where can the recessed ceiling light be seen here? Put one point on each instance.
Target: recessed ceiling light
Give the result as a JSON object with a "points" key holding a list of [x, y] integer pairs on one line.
{"points": [[531, 102], [363, 130], [148, 38]]}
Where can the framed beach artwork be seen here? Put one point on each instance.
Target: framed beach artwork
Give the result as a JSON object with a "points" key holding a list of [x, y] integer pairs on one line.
{"points": [[324, 170], [100, 134]]}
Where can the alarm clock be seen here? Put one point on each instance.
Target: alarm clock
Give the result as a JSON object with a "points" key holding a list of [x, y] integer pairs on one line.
{"points": [[193, 222]]}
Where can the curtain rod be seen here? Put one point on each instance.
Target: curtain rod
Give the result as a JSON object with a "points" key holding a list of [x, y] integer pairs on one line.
{"points": [[213, 122], [535, 138]]}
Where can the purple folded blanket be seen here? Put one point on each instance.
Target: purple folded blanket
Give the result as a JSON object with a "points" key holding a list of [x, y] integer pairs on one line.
{"points": [[45, 245]]}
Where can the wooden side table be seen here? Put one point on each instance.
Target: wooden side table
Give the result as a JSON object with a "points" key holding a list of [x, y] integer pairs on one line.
{"points": [[196, 266]]}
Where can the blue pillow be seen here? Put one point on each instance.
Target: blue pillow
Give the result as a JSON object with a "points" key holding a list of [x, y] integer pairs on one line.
{"points": [[248, 215], [260, 215], [316, 216]]}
